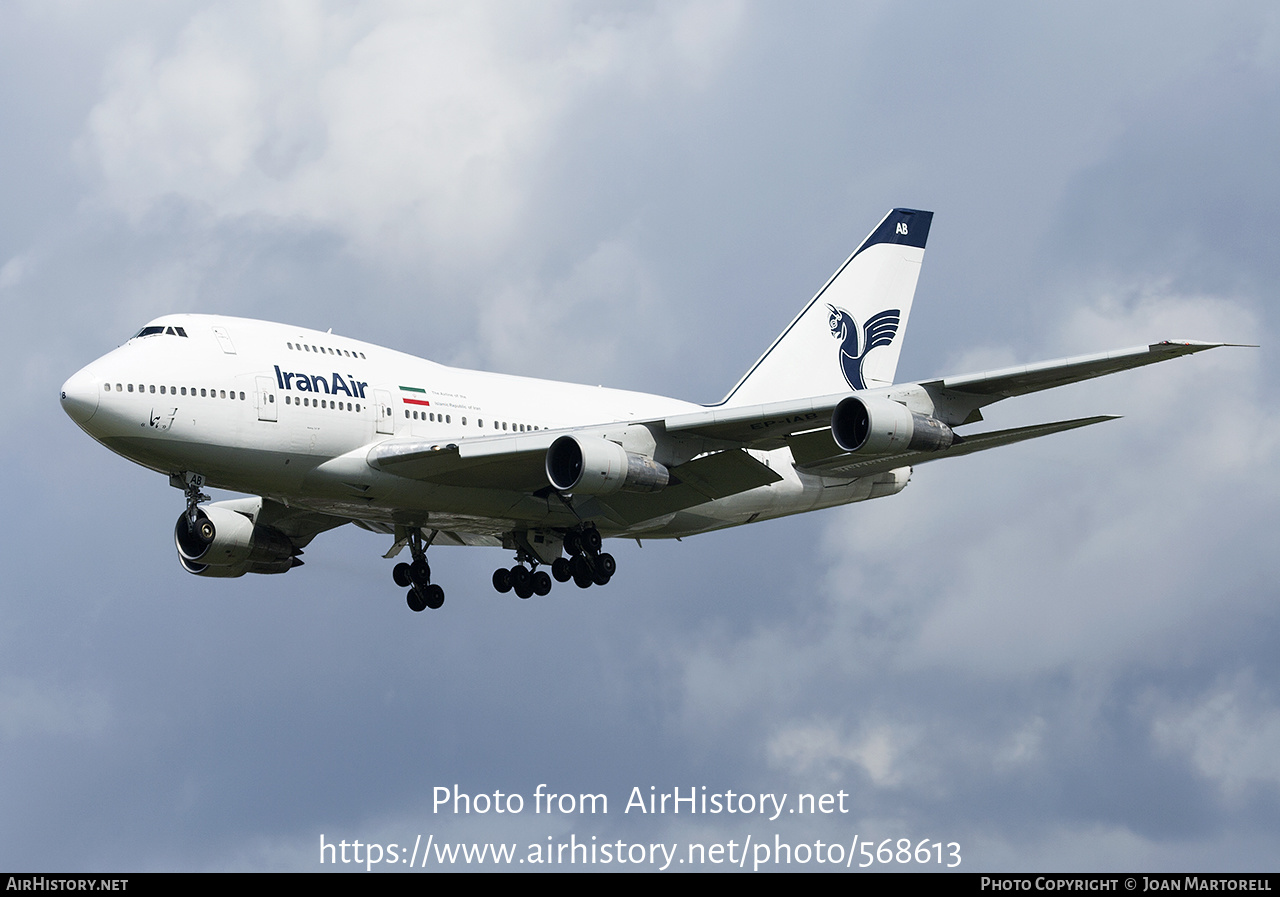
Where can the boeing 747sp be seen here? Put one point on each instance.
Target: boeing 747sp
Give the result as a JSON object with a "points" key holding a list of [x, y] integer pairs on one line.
{"points": [[321, 430]]}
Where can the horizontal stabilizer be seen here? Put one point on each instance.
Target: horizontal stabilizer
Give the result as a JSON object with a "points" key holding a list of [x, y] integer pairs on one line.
{"points": [[849, 466]]}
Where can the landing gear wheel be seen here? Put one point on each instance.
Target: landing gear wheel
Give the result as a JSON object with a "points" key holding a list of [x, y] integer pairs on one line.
{"points": [[403, 575], [520, 579], [591, 540], [541, 583], [607, 565], [524, 590], [582, 577], [420, 570], [434, 597], [562, 569], [600, 578], [417, 602], [502, 580]]}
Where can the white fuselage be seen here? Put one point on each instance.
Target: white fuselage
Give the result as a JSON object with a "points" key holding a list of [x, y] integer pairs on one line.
{"points": [[290, 414]]}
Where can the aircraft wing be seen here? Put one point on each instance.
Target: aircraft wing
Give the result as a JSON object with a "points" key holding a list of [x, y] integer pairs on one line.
{"points": [[516, 462], [513, 461], [813, 451], [954, 399], [715, 438], [299, 524], [1017, 381]]}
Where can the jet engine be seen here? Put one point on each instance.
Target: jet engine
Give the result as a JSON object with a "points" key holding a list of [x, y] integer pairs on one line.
{"points": [[877, 426], [595, 466], [227, 543]]}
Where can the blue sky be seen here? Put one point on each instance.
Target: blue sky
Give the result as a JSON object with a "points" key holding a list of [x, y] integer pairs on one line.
{"points": [[1061, 655]]}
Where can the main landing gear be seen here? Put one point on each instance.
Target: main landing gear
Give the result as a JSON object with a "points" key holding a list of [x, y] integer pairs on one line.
{"points": [[522, 580], [417, 577], [586, 565]]}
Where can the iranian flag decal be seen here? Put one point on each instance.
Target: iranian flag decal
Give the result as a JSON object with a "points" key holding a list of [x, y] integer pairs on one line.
{"points": [[412, 395]]}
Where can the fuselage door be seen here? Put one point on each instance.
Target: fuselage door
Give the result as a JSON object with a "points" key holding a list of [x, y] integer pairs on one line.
{"points": [[224, 340], [382, 407], [266, 399]]}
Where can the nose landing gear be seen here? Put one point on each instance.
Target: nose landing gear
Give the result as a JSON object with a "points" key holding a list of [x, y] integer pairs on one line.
{"points": [[194, 483]]}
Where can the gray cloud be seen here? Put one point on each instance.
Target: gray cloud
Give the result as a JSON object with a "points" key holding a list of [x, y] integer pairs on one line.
{"points": [[1060, 654]]}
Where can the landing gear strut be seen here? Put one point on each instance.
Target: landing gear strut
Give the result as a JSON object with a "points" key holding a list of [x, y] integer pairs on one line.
{"points": [[417, 577], [195, 482]]}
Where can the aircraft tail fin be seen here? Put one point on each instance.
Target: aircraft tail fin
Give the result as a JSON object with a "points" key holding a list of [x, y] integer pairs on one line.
{"points": [[849, 336]]}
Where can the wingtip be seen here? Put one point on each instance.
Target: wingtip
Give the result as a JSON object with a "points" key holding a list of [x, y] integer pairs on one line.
{"points": [[1195, 345]]}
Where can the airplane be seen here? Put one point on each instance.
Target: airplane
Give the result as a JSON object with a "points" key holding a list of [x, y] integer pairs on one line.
{"points": [[320, 430]]}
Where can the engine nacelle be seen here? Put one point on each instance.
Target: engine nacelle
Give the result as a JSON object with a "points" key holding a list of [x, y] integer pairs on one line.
{"points": [[283, 565], [877, 426], [595, 466], [227, 543]]}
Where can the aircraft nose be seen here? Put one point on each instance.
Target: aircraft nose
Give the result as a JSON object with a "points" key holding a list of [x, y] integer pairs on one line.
{"points": [[80, 396]]}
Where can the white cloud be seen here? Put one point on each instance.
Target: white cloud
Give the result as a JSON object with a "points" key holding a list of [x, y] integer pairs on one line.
{"points": [[1231, 735], [408, 130], [877, 750], [13, 271]]}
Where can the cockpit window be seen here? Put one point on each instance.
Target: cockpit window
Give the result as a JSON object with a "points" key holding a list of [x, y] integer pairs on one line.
{"points": [[154, 329]]}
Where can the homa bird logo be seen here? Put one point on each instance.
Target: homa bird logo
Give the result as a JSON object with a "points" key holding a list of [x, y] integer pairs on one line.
{"points": [[856, 342]]}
